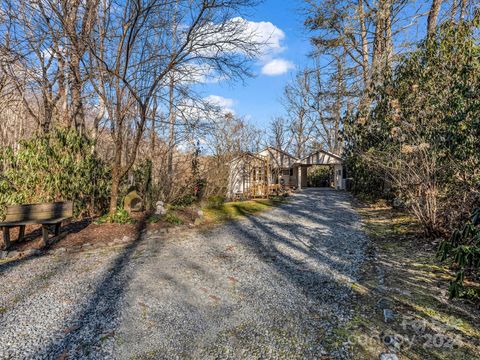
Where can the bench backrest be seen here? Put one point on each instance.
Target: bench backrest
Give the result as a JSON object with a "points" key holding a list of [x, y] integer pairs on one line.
{"points": [[39, 212]]}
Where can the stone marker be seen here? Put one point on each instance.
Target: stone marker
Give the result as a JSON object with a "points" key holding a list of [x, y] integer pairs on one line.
{"points": [[160, 208], [132, 202]]}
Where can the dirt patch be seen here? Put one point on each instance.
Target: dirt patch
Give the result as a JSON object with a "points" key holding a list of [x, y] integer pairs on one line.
{"points": [[95, 234], [402, 300], [86, 231], [89, 231]]}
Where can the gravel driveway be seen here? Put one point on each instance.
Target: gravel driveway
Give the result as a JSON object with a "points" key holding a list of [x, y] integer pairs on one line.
{"points": [[276, 285]]}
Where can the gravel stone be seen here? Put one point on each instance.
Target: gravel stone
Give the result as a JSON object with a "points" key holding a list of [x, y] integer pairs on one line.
{"points": [[275, 285], [384, 303], [388, 356], [388, 315], [60, 251], [13, 255], [32, 252]]}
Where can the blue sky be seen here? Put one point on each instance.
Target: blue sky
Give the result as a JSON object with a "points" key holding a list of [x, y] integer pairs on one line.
{"points": [[259, 98]]}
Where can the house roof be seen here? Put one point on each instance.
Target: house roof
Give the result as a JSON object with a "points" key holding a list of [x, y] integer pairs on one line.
{"points": [[297, 160], [246, 153], [325, 152], [280, 151]]}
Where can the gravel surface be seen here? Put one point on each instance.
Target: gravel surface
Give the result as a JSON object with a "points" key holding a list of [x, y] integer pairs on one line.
{"points": [[276, 285]]}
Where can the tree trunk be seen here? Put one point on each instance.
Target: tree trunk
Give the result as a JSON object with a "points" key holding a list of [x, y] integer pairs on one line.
{"points": [[114, 190], [388, 35], [432, 17], [171, 135], [378, 42], [62, 89], [382, 44], [453, 10], [78, 118], [117, 164], [463, 9], [117, 171], [153, 134], [338, 107], [363, 34], [96, 124]]}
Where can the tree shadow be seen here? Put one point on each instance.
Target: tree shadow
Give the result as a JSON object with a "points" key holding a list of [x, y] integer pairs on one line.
{"points": [[97, 318], [321, 270], [71, 228], [294, 252]]}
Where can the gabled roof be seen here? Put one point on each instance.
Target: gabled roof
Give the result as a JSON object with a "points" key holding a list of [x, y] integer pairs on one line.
{"points": [[246, 153], [280, 151], [321, 157], [297, 160], [325, 152]]}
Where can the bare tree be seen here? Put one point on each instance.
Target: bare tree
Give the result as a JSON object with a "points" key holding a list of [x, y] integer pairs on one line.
{"points": [[279, 133], [296, 97], [50, 40], [143, 52]]}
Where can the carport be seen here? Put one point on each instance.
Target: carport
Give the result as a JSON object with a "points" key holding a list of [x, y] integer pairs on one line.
{"points": [[321, 157]]}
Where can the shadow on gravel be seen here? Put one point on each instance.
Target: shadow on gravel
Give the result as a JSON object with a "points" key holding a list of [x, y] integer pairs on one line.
{"points": [[72, 228], [266, 236], [95, 322], [11, 264], [96, 319]]}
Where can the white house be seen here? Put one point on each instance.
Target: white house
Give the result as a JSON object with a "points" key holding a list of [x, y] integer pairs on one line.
{"points": [[260, 174]]}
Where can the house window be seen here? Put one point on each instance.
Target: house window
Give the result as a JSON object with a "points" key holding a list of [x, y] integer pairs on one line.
{"points": [[291, 171]]}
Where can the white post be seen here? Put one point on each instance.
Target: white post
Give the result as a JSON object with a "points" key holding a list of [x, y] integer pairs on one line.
{"points": [[299, 178], [338, 176]]}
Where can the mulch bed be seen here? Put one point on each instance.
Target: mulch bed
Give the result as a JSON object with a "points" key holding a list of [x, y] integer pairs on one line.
{"points": [[87, 232]]}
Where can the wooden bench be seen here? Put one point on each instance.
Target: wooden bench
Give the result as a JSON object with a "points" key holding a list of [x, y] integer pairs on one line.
{"points": [[44, 214]]}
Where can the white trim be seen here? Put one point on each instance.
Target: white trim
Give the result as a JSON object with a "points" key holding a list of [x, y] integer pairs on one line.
{"points": [[325, 152]]}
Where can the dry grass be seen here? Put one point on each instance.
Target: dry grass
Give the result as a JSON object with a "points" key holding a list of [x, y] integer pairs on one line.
{"points": [[238, 209], [403, 271]]}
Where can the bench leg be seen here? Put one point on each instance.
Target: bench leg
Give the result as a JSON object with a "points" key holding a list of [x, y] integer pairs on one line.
{"points": [[21, 233], [57, 228], [44, 235], [6, 237]]}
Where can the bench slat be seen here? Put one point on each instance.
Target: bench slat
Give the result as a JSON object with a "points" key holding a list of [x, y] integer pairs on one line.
{"points": [[13, 209], [45, 214], [38, 212], [36, 216], [29, 222]]}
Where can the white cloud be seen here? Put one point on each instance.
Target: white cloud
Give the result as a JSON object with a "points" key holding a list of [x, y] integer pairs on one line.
{"points": [[234, 36], [197, 73], [263, 32], [277, 67], [272, 38], [210, 108], [216, 39], [225, 104]]}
